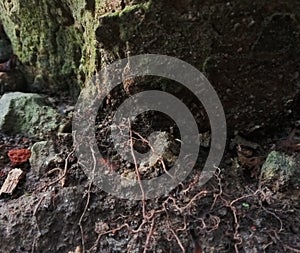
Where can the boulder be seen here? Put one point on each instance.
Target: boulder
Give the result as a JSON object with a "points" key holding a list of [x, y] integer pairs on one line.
{"points": [[251, 56], [27, 114], [43, 216], [43, 155], [279, 171]]}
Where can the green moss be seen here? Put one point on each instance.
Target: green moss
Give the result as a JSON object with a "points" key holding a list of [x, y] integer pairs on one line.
{"points": [[129, 9], [127, 24], [57, 40], [279, 170], [47, 40], [207, 64]]}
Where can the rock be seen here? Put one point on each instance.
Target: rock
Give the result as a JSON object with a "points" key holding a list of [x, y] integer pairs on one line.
{"points": [[280, 171], [42, 155], [128, 178], [31, 34], [165, 148], [29, 222], [26, 113], [90, 34]]}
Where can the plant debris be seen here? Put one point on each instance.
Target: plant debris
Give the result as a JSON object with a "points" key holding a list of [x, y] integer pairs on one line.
{"points": [[11, 182]]}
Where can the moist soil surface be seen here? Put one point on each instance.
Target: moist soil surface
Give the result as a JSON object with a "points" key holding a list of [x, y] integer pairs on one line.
{"points": [[233, 212], [65, 210]]}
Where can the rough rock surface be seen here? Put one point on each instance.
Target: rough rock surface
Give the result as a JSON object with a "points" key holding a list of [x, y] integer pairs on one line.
{"points": [[248, 50], [280, 171], [26, 113], [165, 148], [42, 154], [33, 214]]}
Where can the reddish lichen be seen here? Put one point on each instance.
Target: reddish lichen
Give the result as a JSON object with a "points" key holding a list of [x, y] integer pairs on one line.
{"points": [[18, 156]]}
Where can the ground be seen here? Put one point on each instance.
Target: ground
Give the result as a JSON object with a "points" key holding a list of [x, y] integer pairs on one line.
{"points": [[246, 50], [233, 212]]}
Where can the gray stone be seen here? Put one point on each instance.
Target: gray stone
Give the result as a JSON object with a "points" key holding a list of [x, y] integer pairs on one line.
{"points": [[32, 223], [26, 113], [42, 155], [279, 171], [165, 148]]}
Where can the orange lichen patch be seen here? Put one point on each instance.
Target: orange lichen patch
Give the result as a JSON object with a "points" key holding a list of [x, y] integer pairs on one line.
{"points": [[18, 156]]}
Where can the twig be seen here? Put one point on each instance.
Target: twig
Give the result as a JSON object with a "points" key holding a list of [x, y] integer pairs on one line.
{"points": [[219, 194], [172, 230], [178, 240], [63, 175], [181, 209], [149, 236], [280, 221], [105, 233], [138, 173], [87, 201], [290, 248]]}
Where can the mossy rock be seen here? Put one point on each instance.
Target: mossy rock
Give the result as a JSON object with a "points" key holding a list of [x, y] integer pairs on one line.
{"points": [[27, 114], [280, 171]]}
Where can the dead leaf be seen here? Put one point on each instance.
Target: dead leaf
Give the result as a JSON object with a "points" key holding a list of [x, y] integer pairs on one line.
{"points": [[11, 182]]}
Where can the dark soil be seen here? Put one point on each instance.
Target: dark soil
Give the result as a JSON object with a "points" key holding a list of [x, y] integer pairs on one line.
{"points": [[233, 212]]}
